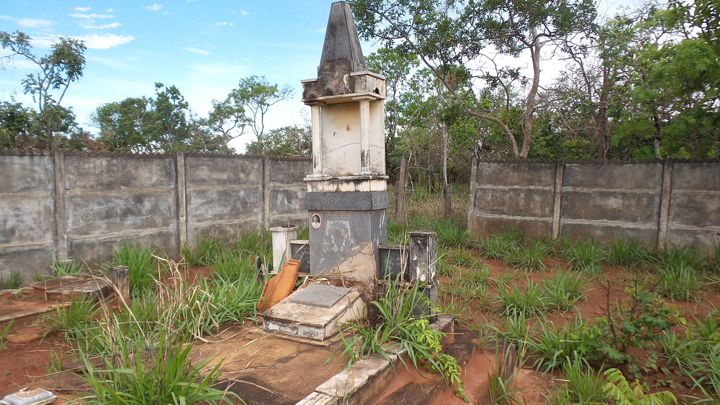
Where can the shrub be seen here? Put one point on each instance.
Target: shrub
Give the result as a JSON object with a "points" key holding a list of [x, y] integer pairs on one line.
{"points": [[398, 324], [142, 268], [619, 390], [585, 256], [576, 340]]}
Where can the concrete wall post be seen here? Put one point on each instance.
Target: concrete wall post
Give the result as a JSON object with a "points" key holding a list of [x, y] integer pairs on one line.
{"points": [[557, 195], [181, 191], [473, 180], [266, 193], [665, 193], [60, 237]]}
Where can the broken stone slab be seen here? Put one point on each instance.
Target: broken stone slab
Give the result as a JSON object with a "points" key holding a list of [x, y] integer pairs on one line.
{"points": [[360, 382], [313, 322], [319, 295], [317, 398]]}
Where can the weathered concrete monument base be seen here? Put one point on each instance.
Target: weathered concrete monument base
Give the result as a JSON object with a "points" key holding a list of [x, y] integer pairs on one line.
{"points": [[315, 312]]}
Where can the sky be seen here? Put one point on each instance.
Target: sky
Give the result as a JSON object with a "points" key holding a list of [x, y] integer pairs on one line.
{"points": [[204, 47]]}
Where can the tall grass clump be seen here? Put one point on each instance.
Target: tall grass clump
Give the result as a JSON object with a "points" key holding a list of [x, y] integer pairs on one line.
{"points": [[151, 367], [66, 268], [678, 256], [449, 233], [11, 282], [563, 290], [204, 252], [230, 266], [630, 253], [399, 324], [498, 246], [575, 340], [396, 233], [143, 269], [255, 244], [583, 385], [679, 282], [528, 258], [74, 320], [517, 301], [584, 256]]}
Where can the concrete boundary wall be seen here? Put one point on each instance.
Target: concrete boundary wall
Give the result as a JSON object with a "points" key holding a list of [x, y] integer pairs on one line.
{"points": [[59, 205], [671, 203]]}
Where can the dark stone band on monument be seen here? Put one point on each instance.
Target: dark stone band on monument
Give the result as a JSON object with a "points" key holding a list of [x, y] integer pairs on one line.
{"points": [[347, 201]]}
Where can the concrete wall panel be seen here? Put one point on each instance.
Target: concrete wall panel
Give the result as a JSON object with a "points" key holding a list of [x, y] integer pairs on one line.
{"points": [[485, 227], [537, 174], [25, 220], [112, 173], [22, 174], [218, 171], [625, 176], [514, 202], [608, 233], [216, 205], [627, 207], [97, 214], [97, 250]]}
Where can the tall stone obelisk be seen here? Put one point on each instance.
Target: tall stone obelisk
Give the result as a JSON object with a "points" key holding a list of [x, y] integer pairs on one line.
{"points": [[347, 190]]}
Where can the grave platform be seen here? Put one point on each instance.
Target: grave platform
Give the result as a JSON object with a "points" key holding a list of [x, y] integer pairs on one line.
{"points": [[315, 312]]}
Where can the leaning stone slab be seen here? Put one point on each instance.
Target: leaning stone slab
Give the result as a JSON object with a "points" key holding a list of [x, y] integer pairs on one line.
{"points": [[359, 381], [317, 398]]}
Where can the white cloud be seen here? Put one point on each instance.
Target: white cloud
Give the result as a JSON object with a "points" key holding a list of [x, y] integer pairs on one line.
{"points": [[111, 25], [153, 7], [82, 9], [34, 23], [105, 41], [197, 51], [224, 24], [91, 16], [243, 12]]}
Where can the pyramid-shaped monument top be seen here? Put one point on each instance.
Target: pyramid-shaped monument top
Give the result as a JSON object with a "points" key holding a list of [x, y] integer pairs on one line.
{"points": [[342, 72], [342, 44]]}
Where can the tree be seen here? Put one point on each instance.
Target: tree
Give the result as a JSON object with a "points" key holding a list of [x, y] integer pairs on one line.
{"points": [[163, 123], [247, 105], [285, 141], [57, 70], [15, 125], [454, 39]]}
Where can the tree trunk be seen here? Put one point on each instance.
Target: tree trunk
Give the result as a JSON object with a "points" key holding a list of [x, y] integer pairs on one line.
{"points": [[601, 118], [657, 136], [446, 186], [400, 192], [530, 101]]}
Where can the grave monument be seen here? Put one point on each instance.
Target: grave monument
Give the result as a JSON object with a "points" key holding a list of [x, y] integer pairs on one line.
{"points": [[346, 193]]}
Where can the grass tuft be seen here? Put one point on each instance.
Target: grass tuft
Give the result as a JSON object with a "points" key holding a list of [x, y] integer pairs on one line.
{"points": [[522, 302], [144, 271], [12, 282], [563, 290], [679, 282], [66, 268], [629, 253], [528, 258], [584, 256]]}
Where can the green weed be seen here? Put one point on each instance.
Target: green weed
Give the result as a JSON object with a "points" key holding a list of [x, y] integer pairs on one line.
{"points": [[73, 320], [449, 233], [229, 267], [12, 282], [629, 252], [142, 268], [576, 340], [583, 385], [584, 256], [685, 256], [203, 253], [617, 389], [464, 258], [4, 333], [398, 324], [528, 258], [679, 282], [563, 290], [517, 301], [500, 245], [66, 268]]}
